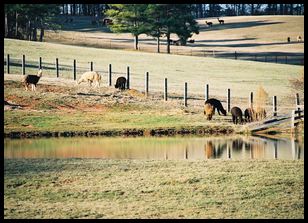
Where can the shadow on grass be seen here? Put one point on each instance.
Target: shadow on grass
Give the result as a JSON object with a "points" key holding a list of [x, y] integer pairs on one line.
{"points": [[236, 25]]}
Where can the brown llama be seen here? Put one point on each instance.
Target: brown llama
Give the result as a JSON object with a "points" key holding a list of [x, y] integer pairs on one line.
{"points": [[208, 111], [209, 23], [259, 114], [221, 21], [249, 114]]}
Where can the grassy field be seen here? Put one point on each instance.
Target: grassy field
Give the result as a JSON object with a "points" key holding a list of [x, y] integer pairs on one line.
{"points": [[59, 104], [106, 188], [241, 77], [250, 34], [97, 188], [64, 108]]}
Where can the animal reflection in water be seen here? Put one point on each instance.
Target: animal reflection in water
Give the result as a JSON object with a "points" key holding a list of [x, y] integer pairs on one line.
{"points": [[256, 149], [215, 150]]}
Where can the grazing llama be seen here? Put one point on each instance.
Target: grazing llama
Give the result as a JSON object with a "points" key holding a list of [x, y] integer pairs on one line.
{"points": [[208, 111], [209, 23], [31, 80], [217, 105], [90, 77], [299, 39], [121, 81], [237, 115], [221, 21]]}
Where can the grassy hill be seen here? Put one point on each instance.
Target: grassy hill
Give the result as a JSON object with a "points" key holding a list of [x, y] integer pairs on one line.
{"points": [[249, 34], [240, 76]]}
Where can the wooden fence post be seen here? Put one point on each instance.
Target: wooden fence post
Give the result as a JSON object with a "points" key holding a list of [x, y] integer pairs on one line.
{"points": [[127, 78], [40, 63], [292, 120], [57, 67], [297, 101], [251, 100], [23, 64], [110, 73], [91, 66], [74, 69], [235, 55], [286, 59], [276, 58], [165, 90], [8, 63], [228, 100], [206, 92], [274, 106], [185, 94], [146, 90]]}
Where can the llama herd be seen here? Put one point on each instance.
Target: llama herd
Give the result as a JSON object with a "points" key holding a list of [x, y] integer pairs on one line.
{"points": [[89, 76], [210, 24], [250, 114], [210, 106]]}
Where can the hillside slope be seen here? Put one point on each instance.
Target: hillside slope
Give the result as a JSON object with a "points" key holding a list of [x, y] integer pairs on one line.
{"points": [[249, 34]]}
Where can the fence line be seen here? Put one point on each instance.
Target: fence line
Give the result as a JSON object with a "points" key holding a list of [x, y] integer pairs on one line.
{"points": [[178, 50], [56, 66]]}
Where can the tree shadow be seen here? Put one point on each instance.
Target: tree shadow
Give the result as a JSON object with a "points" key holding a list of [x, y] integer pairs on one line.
{"points": [[237, 25], [256, 44]]}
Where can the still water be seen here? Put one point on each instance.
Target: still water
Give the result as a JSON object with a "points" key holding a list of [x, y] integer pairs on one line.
{"points": [[161, 148]]}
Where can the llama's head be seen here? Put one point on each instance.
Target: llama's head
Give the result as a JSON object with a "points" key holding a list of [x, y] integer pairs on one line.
{"points": [[39, 73]]}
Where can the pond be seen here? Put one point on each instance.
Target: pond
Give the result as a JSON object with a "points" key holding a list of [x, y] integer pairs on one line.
{"points": [[161, 148]]}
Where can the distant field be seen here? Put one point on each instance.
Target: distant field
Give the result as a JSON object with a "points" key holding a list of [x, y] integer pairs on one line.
{"points": [[249, 34], [241, 77]]}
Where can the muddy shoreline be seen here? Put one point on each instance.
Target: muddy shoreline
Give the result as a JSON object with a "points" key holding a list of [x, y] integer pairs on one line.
{"points": [[198, 131]]}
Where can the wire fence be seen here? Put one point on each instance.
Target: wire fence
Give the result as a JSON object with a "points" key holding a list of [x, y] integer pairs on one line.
{"points": [[54, 69], [192, 49], [73, 72]]}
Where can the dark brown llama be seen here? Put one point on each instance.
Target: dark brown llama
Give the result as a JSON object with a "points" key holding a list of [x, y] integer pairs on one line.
{"points": [[221, 21]]}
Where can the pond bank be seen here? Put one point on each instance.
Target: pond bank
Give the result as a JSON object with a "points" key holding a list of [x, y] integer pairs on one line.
{"points": [[198, 131]]}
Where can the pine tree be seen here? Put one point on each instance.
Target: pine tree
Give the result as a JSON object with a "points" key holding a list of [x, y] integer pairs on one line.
{"points": [[130, 18], [165, 19]]}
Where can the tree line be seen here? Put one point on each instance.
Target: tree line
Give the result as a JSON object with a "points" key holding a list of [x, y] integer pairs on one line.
{"points": [[28, 21], [23, 21], [200, 10]]}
